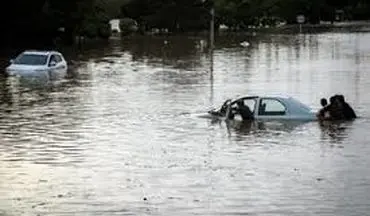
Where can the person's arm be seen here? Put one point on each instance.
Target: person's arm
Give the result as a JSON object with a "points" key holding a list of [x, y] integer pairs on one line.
{"points": [[349, 112], [321, 114], [325, 110], [352, 112]]}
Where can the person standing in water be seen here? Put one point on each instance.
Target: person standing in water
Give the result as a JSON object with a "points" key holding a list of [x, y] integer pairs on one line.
{"points": [[347, 110], [323, 113], [338, 109], [244, 111], [332, 111]]}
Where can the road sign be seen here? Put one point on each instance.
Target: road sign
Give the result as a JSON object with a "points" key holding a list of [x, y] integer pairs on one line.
{"points": [[300, 19]]}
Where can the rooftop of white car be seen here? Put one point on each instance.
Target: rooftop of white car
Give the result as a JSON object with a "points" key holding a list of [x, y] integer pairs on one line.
{"points": [[40, 52], [281, 96]]}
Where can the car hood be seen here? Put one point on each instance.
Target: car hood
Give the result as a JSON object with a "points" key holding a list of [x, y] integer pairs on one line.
{"points": [[15, 67]]}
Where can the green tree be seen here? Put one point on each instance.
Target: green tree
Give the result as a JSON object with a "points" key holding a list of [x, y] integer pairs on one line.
{"points": [[35, 23], [79, 17], [176, 16]]}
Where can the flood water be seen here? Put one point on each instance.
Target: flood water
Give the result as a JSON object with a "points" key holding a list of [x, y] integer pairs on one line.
{"points": [[120, 135]]}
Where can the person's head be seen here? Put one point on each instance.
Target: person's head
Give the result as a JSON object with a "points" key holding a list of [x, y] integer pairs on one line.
{"points": [[341, 98], [332, 100], [323, 102], [240, 103]]}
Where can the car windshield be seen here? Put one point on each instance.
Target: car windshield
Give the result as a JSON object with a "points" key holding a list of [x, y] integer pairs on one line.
{"points": [[31, 59]]}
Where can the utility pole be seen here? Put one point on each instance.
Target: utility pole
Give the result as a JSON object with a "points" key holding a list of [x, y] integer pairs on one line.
{"points": [[300, 19], [212, 28], [211, 24], [211, 44]]}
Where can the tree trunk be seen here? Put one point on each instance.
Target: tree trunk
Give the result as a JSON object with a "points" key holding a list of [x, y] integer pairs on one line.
{"points": [[332, 15], [315, 12], [68, 36]]}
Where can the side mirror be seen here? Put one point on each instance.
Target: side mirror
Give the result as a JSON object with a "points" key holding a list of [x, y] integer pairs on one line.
{"points": [[52, 64]]}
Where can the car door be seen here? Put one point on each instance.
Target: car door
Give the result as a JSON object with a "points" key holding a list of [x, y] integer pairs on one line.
{"points": [[271, 108], [251, 103], [52, 63], [60, 65]]}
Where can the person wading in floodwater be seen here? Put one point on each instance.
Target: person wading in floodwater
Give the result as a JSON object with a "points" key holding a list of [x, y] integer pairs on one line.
{"points": [[347, 110], [325, 114], [244, 111], [338, 109]]}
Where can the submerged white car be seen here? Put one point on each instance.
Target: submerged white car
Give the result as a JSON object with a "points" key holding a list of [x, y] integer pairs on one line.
{"points": [[36, 63], [267, 108]]}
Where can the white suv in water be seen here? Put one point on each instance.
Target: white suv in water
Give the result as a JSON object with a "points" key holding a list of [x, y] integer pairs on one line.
{"points": [[35, 62]]}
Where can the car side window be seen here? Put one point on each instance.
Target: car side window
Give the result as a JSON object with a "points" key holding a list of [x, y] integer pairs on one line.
{"points": [[271, 107], [58, 58], [52, 59], [250, 103]]}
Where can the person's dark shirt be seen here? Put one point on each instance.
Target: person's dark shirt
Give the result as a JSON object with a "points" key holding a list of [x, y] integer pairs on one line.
{"points": [[245, 112], [334, 111], [348, 112]]}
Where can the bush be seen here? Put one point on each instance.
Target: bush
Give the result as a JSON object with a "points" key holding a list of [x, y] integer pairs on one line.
{"points": [[90, 30], [96, 30]]}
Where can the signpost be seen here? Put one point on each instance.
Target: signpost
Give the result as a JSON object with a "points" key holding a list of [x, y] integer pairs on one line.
{"points": [[300, 19], [211, 41], [212, 28], [212, 24]]}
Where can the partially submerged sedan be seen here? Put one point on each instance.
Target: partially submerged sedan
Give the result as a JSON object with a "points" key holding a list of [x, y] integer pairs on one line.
{"points": [[268, 108]]}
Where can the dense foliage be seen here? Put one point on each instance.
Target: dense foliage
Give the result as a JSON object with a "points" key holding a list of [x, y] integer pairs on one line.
{"points": [[179, 15], [188, 15], [26, 22], [38, 22]]}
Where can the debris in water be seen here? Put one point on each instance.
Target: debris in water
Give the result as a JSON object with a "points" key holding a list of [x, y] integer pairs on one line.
{"points": [[40, 204]]}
